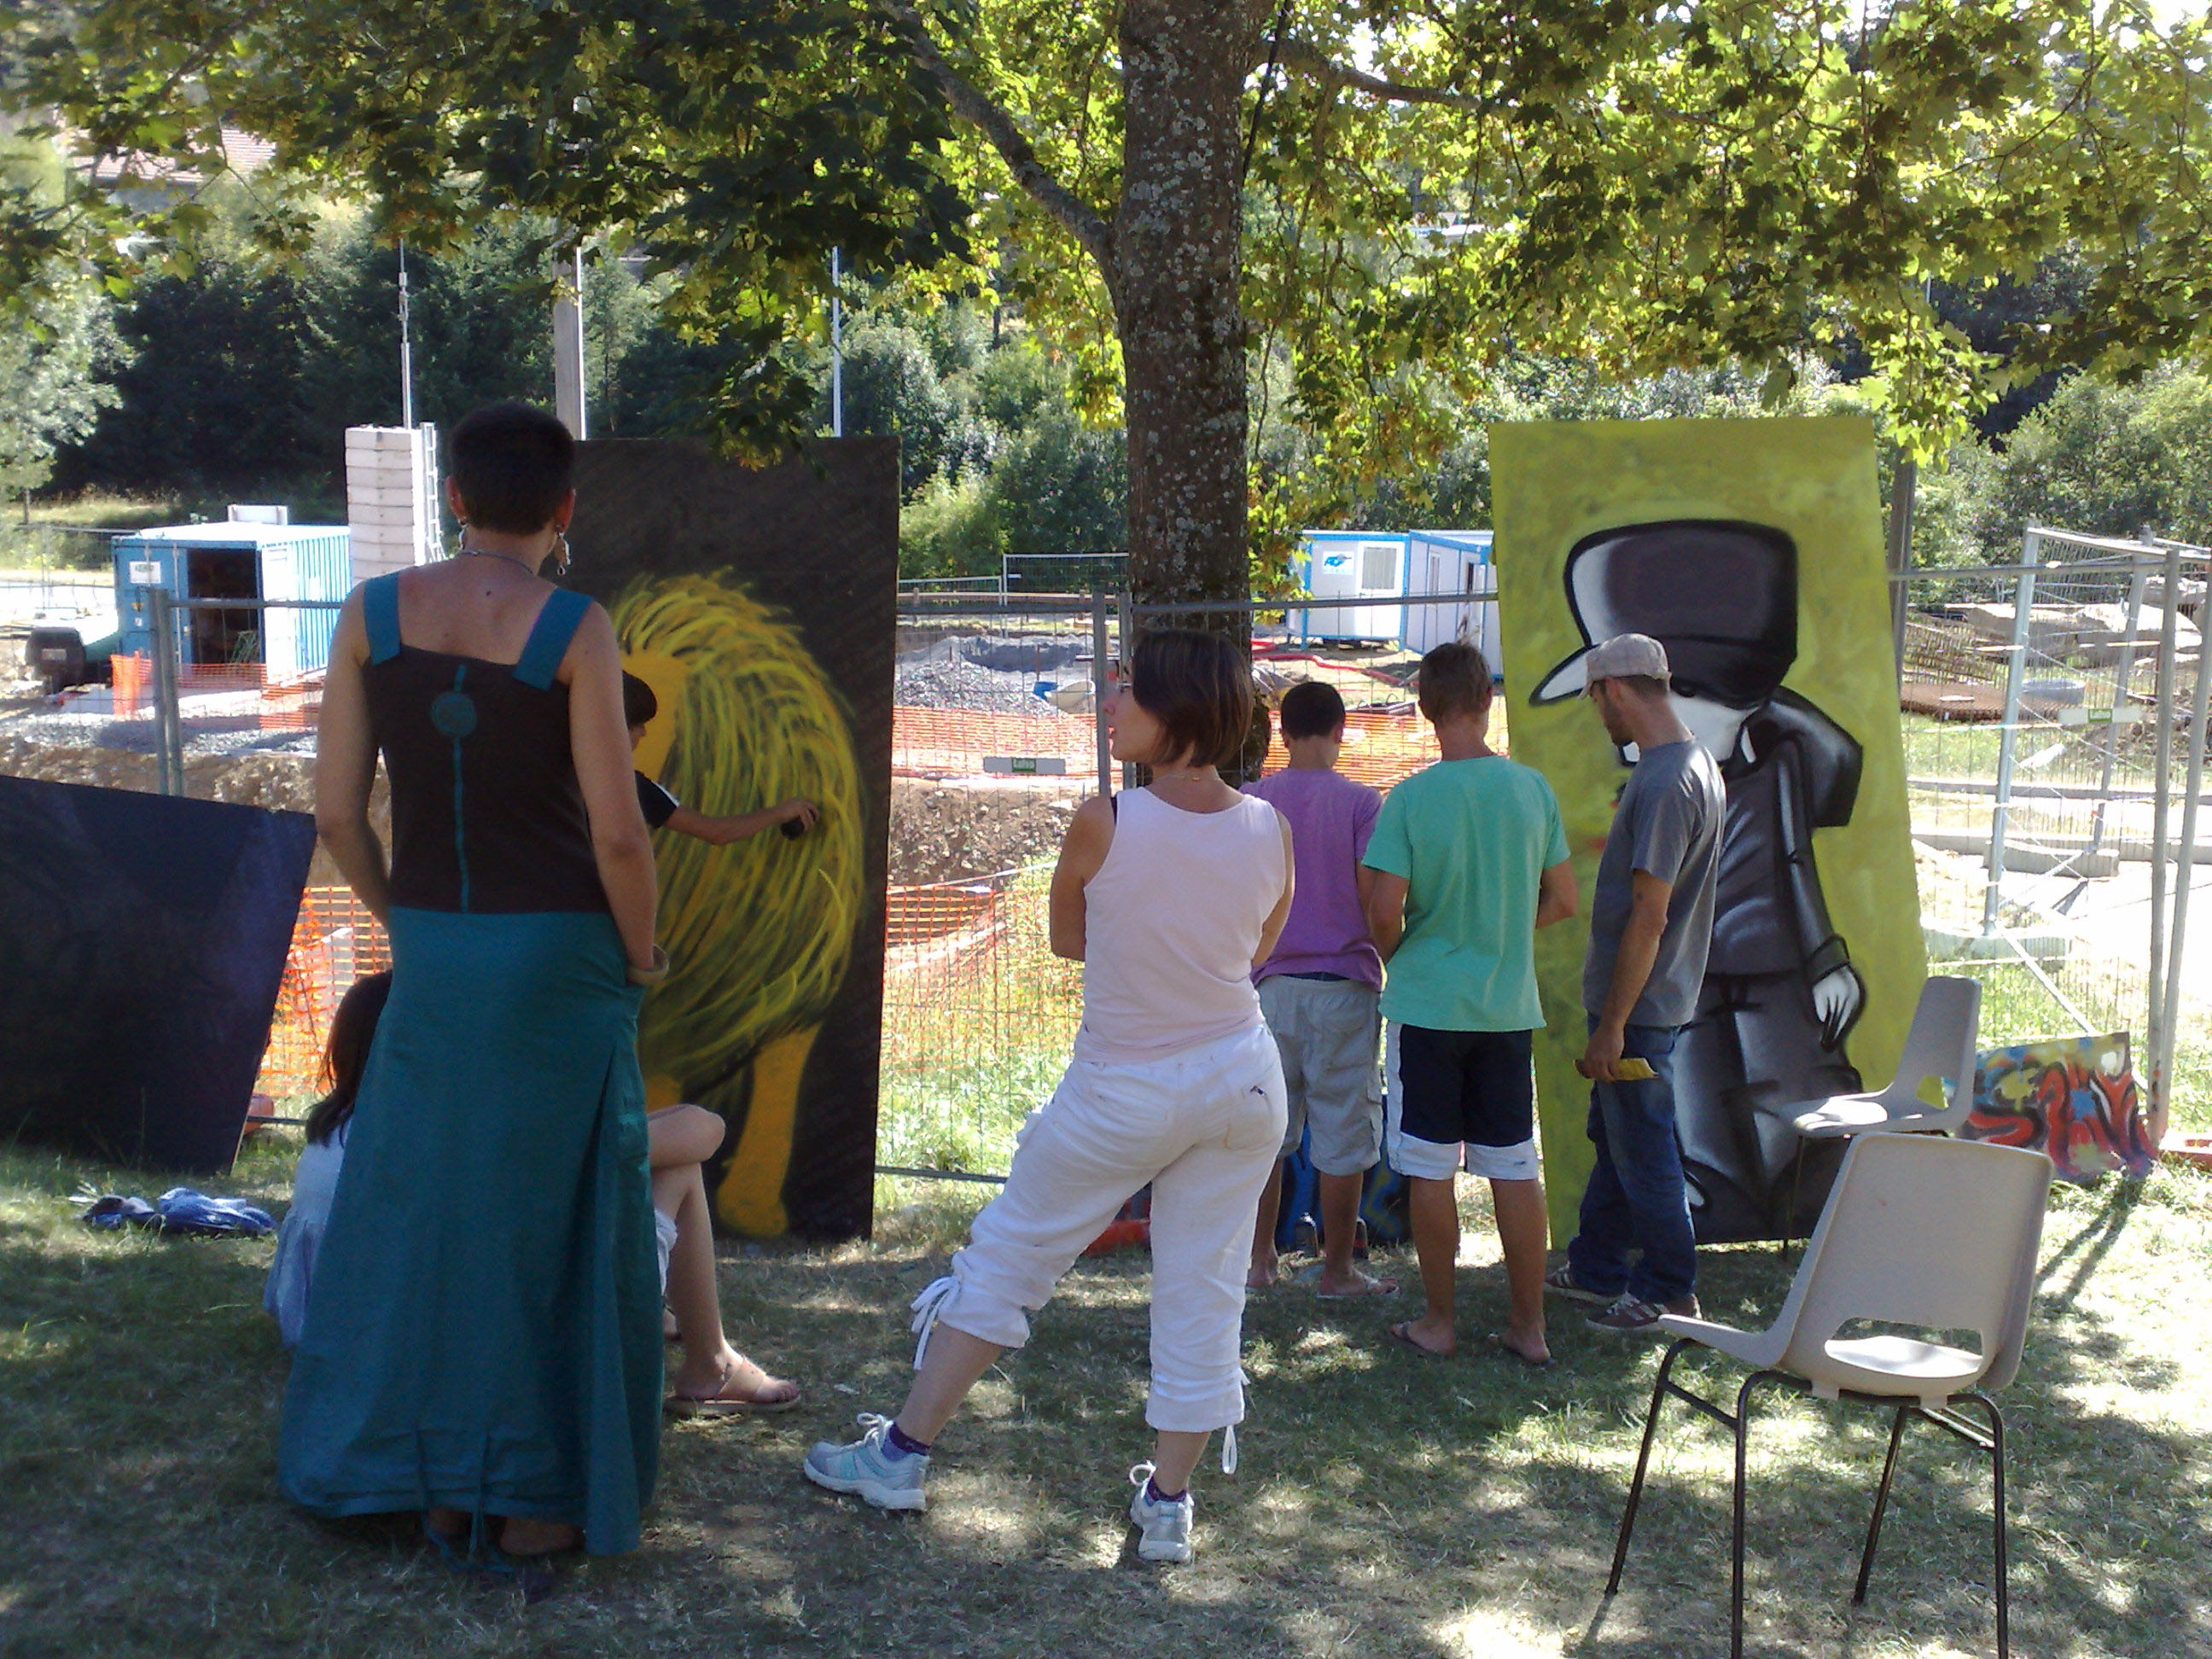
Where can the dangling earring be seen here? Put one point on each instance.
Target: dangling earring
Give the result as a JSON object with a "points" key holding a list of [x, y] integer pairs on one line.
{"points": [[560, 553]]}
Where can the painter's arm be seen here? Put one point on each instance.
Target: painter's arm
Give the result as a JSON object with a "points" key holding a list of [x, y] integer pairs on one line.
{"points": [[741, 826]]}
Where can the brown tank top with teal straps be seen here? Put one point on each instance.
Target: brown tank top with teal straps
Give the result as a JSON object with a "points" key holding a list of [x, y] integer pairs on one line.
{"points": [[486, 811]]}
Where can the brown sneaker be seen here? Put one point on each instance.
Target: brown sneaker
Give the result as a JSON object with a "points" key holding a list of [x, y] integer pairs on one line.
{"points": [[1633, 1317]]}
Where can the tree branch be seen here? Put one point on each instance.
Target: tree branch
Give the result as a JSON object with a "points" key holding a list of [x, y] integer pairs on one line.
{"points": [[1304, 54], [967, 102]]}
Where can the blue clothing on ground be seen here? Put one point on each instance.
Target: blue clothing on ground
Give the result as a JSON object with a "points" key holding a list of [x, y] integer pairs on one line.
{"points": [[186, 1212]]}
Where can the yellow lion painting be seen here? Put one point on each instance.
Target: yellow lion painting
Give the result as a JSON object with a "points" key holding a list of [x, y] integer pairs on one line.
{"points": [[759, 933]]}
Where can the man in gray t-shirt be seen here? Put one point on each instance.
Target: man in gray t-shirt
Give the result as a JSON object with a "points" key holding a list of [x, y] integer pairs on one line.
{"points": [[1652, 924]]}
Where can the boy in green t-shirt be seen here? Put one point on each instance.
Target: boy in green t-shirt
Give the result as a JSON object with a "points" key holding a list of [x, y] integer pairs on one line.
{"points": [[1470, 861]]}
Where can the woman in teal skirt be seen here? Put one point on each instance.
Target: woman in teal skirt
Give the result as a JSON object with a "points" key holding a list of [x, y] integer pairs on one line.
{"points": [[483, 1339]]}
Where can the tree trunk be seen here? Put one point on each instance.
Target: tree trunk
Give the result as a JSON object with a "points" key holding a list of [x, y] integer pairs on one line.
{"points": [[1178, 239]]}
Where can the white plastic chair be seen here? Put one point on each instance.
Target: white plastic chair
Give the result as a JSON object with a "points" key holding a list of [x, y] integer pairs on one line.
{"points": [[1917, 1230], [1942, 1043]]}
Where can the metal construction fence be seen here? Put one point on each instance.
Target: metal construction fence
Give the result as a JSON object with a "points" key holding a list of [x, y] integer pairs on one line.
{"points": [[2053, 717], [1009, 688]]}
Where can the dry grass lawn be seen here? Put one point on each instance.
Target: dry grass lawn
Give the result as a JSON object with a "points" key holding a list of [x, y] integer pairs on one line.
{"points": [[1387, 1506]]}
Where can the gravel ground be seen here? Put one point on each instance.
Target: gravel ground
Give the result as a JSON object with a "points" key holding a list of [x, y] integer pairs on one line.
{"points": [[987, 673], [64, 728]]}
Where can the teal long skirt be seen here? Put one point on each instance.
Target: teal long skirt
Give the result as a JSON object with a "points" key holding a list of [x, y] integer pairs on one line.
{"points": [[483, 1332]]}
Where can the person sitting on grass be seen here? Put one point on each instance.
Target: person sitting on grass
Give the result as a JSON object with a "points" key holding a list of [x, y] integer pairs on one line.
{"points": [[1319, 991], [315, 1181], [713, 1379], [1168, 895], [1470, 860], [664, 811]]}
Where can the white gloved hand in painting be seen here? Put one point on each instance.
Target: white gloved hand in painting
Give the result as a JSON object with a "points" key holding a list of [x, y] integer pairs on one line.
{"points": [[1837, 996]]}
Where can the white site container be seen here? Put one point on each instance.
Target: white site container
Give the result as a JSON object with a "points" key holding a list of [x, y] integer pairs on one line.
{"points": [[1354, 564], [1382, 566]]}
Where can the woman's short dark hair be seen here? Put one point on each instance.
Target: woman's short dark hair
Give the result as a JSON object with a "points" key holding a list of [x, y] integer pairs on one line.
{"points": [[1455, 681], [639, 704], [346, 1055], [1311, 709], [1199, 687], [512, 463]]}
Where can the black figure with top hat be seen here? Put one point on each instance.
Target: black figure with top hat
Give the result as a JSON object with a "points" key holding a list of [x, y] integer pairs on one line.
{"points": [[1780, 995]]}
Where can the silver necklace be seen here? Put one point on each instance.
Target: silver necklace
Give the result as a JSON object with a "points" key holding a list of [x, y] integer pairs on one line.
{"points": [[488, 553]]}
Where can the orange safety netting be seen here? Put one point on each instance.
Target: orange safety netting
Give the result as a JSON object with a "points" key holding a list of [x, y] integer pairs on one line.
{"points": [[1380, 746], [225, 691], [334, 942], [970, 972], [953, 742]]}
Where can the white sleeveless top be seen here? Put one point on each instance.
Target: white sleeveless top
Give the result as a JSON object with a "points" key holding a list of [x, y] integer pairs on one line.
{"points": [[1170, 923]]}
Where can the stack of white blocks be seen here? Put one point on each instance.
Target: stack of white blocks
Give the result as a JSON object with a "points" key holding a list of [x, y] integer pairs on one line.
{"points": [[392, 498]]}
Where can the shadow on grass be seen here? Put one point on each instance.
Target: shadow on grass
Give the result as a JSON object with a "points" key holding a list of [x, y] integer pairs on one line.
{"points": [[1387, 1505]]}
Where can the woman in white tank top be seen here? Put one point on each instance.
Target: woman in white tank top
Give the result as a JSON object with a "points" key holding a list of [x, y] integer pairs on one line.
{"points": [[1168, 895]]}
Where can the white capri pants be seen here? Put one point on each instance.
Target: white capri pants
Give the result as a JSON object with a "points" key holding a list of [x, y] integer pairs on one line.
{"points": [[1204, 1127]]}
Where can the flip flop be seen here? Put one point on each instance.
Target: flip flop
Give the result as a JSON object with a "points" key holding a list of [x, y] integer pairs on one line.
{"points": [[1311, 1276], [1498, 1343], [686, 1406], [1402, 1334]]}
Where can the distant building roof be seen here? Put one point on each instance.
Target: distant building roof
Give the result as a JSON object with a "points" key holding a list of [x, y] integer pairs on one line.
{"points": [[242, 154]]}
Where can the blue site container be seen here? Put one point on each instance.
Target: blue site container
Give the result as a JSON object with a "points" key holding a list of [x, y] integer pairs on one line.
{"points": [[243, 561]]}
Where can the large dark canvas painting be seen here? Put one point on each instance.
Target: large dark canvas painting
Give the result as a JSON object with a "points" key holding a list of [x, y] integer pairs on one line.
{"points": [[146, 937], [760, 603]]}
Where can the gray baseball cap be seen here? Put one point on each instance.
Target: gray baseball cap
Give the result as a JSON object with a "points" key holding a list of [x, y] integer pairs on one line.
{"points": [[1623, 655]]}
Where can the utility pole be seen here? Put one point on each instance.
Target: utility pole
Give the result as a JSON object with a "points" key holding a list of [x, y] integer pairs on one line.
{"points": [[569, 346], [407, 350]]}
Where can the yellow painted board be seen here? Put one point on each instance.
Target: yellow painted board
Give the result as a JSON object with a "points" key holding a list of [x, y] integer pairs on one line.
{"points": [[1555, 483]]}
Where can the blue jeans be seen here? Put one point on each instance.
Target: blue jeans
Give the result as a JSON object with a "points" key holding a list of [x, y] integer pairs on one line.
{"points": [[1636, 1195]]}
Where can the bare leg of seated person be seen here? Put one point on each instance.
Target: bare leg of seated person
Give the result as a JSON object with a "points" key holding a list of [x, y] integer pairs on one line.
{"points": [[676, 1135], [713, 1378]]}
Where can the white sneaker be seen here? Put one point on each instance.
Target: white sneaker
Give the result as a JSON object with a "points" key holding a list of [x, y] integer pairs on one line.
{"points": [[864, 1468], [1165, 1524]]}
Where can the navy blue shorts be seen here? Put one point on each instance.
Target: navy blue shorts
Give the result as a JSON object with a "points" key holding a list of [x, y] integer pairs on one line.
{"points": [[1461, 1099]]}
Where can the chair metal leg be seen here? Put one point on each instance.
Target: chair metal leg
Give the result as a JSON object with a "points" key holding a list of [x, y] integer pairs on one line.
{"points": [[1880, 1503], [1998, 1504], [1642, 1458], [1736, 1542]]}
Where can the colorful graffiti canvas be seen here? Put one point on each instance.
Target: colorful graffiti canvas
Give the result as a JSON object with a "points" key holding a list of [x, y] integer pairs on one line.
{"points": [[2073, 1098], [1751, 550], [146, 937], [760, 606]]}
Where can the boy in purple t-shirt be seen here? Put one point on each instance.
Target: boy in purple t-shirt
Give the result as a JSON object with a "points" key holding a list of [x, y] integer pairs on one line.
{"points": [[1321, 989]]}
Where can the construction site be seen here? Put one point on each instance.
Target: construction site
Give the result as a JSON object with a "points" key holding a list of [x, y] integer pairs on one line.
{"points": [[2051, 715]]}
